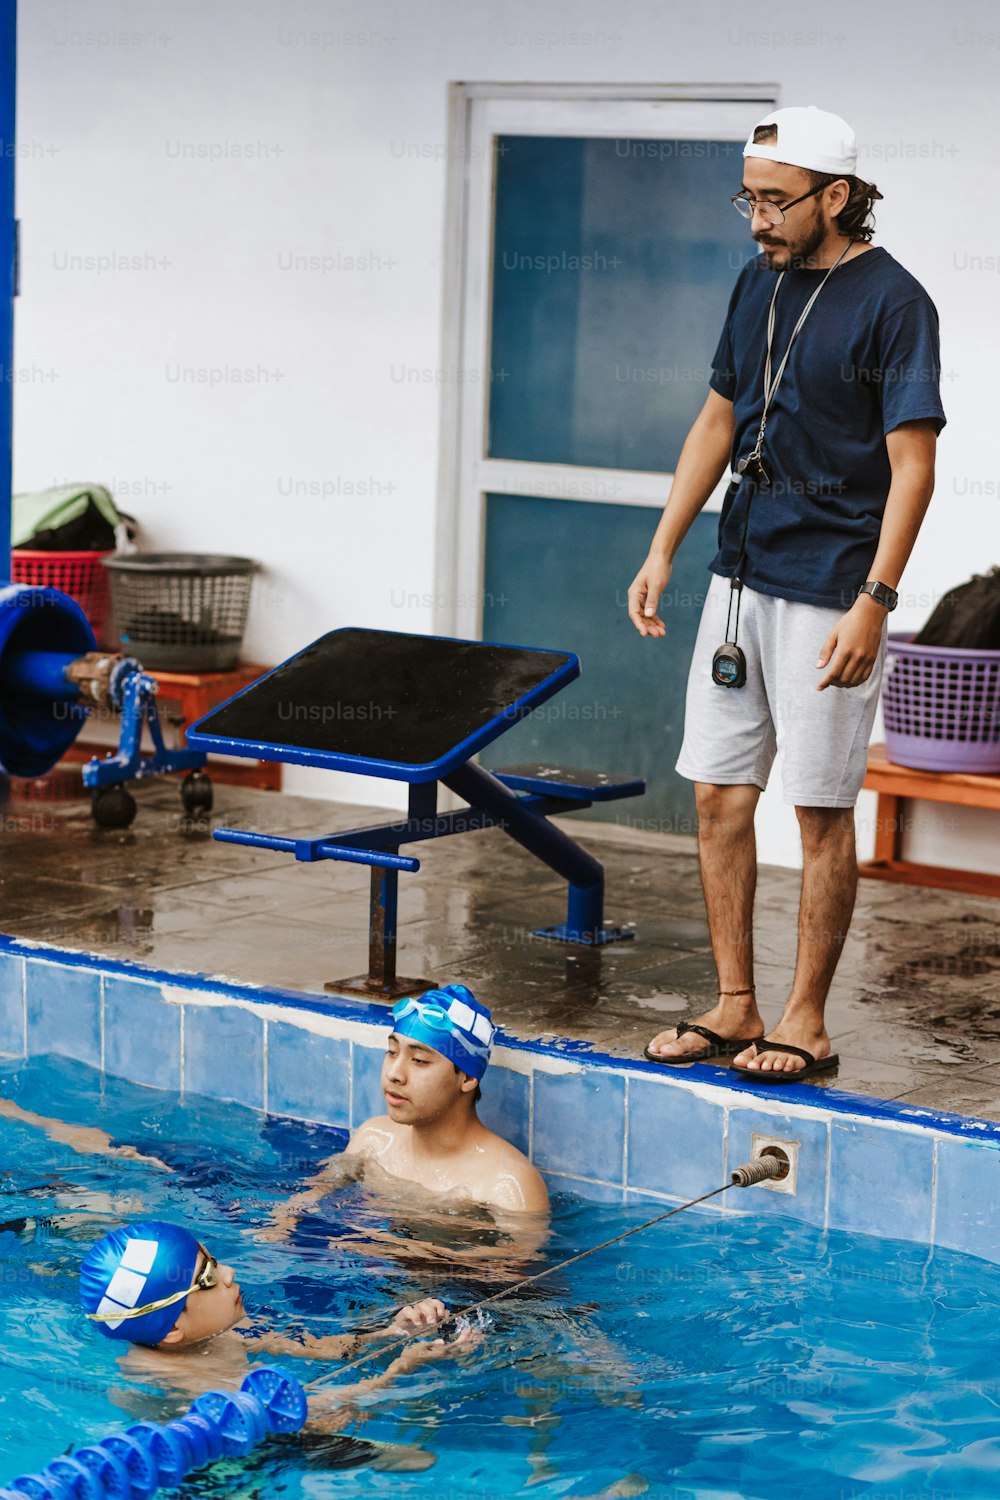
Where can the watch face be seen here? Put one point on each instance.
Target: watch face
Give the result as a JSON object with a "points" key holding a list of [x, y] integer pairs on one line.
{"points": [[882, 594]]}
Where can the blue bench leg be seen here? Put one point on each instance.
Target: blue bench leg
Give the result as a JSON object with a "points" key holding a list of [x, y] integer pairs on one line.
{"points": [[585, 874]]}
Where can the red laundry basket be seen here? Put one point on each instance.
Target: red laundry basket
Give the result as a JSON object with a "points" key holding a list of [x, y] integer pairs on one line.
{"points": [[78, 574]]}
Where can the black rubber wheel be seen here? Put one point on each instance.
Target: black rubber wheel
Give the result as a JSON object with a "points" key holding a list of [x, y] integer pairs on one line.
{"points": [[196, 793], [113, 807]]}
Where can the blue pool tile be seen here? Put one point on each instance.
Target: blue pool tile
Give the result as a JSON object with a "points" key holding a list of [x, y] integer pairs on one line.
{"points": [[675, 1139], [308, 1076], [142, 1034], [506, 1106], [809, 1200], [224, 1053], [579, 1124], [881, 1180], [967, 1212], [366, 1091], [595, 1192], [64, 1011], [12, 1004]]}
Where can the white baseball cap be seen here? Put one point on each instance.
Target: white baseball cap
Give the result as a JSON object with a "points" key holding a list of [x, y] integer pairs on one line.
{"points": [[811, 138]]}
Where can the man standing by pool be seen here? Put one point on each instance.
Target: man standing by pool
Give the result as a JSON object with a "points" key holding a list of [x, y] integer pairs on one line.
{"points": [[824, 399]]}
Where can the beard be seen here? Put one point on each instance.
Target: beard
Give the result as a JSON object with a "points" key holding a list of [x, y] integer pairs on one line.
{"points": [[793, 255]]}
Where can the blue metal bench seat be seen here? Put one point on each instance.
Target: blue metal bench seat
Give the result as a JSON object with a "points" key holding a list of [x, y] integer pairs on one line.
{"points": [[569, 782]]}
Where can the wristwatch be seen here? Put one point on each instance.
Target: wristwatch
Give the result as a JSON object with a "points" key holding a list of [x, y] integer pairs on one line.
{"points": [[881, 593]]}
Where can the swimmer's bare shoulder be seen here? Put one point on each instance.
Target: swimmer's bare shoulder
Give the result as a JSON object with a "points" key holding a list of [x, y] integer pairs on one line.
{"points": [[375, 1139], [510, 1179]]}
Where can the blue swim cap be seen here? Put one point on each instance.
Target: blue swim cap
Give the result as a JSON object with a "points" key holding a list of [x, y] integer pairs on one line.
{"points": [[452, 1022], [133, 1266]]}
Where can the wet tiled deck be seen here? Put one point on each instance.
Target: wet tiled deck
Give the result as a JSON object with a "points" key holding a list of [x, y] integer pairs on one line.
{"points": [[914, 1011]]}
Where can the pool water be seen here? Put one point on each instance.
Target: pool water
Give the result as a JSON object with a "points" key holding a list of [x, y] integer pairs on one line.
{"points": [[716, 1355]]}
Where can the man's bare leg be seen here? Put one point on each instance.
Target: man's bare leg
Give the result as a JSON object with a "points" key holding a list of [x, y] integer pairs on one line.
{"points": [[829, 887], [727, 854]]}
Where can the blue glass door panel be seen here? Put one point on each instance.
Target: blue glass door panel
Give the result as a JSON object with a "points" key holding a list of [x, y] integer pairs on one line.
{"points": [[613, 263], [557, 572]]}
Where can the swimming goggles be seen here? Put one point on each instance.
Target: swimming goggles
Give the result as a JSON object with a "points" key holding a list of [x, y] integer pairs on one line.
{"points": [[459, 1018], [203, 1282]]}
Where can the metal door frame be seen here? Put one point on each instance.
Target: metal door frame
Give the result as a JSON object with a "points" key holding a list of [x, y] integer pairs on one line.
{"points": [[478, 113]]}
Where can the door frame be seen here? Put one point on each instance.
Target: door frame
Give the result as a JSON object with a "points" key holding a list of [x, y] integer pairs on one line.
{"points": [[477, 114]]}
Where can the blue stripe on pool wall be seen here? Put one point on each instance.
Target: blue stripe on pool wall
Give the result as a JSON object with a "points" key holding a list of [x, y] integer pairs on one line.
{"points": [[506, 1106], [12, 1004], [579, 1124], [224, 1054], [676, 1141], [64, 1011], [604, 1127], [308, 1076], [142, 1034], [884, 1180], [366, 1087], [967, 1207]]}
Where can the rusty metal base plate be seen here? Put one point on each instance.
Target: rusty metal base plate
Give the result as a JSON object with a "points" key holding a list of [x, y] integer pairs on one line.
{"points": [[376, 989]]}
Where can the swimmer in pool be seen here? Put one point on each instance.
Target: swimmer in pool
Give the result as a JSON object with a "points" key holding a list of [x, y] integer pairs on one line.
{"points": [[430, 1135], [153, 1286]]}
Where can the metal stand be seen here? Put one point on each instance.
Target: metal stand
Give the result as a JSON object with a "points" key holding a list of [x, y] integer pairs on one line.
{"points": [[524, 820], [381, 981]]}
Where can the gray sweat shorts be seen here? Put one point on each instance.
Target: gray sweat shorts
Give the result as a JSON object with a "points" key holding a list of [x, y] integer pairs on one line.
{"points": [[731, 735]]}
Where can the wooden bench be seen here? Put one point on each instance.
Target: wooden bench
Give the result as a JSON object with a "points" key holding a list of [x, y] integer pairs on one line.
{"points": [[896, 784]]}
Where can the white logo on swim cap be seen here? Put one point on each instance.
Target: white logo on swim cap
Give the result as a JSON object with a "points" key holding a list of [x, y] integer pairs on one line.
{"points": [[127, 1285]]}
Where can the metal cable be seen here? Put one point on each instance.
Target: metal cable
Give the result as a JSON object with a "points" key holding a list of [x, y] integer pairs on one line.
{"points": [[747, 1175]]}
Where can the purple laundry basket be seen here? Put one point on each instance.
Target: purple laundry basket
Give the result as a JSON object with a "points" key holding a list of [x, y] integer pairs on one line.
{"points": [[941, 707]]}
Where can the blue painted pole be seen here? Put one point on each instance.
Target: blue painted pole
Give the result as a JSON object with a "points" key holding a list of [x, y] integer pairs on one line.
{"points": [[585, 874], [8, 76]]}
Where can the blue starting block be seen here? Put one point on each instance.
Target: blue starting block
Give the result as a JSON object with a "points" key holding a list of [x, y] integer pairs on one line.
{"points": [[416, 709]]}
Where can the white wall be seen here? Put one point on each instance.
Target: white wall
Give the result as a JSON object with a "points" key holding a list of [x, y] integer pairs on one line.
{"points": [[235, 403]]}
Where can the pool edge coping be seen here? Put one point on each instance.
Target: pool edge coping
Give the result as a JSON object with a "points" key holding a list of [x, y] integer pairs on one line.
{"points": [[701, 1079]]}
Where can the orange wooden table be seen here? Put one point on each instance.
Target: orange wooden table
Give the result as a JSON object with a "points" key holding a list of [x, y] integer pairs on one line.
{"points": [[894, 785], [183, 698]]}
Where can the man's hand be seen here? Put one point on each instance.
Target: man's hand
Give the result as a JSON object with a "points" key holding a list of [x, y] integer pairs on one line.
{"points": [[851, 649], [644, 597], [424, 1352], [417, 1316]]}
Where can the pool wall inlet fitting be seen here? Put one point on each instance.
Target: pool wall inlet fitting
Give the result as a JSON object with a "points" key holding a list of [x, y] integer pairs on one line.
{"points": [[787, 1152]]}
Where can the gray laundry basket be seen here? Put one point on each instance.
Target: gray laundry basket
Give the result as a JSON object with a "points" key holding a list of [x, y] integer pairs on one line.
{"points": [[181, 611]]}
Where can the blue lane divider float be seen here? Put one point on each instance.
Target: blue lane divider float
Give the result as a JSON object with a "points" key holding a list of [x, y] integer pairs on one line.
{"points": [[132, 1465]]}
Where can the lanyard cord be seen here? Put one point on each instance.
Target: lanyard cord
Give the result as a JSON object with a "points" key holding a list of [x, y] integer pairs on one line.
{"points": [[770, 391], [771, 386]]}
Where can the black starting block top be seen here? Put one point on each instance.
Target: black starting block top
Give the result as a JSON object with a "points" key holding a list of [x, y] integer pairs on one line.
{"points": [[380, 703]]}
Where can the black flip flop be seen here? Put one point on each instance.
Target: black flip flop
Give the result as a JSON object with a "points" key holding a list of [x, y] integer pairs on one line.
{"points": [[719, 1046], [770, 1075]]}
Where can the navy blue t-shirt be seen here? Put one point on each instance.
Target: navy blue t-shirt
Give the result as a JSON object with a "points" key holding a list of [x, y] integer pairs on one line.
{"points": [[867, 358]]}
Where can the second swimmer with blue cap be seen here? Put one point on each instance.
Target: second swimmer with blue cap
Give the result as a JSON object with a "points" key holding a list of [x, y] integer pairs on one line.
{"points": [[154, 1286], [431, 1136]]}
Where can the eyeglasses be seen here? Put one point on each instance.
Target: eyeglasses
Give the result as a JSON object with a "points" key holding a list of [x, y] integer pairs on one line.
{"points": [[203, 1282], [437, 1018], [771, 213]]}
